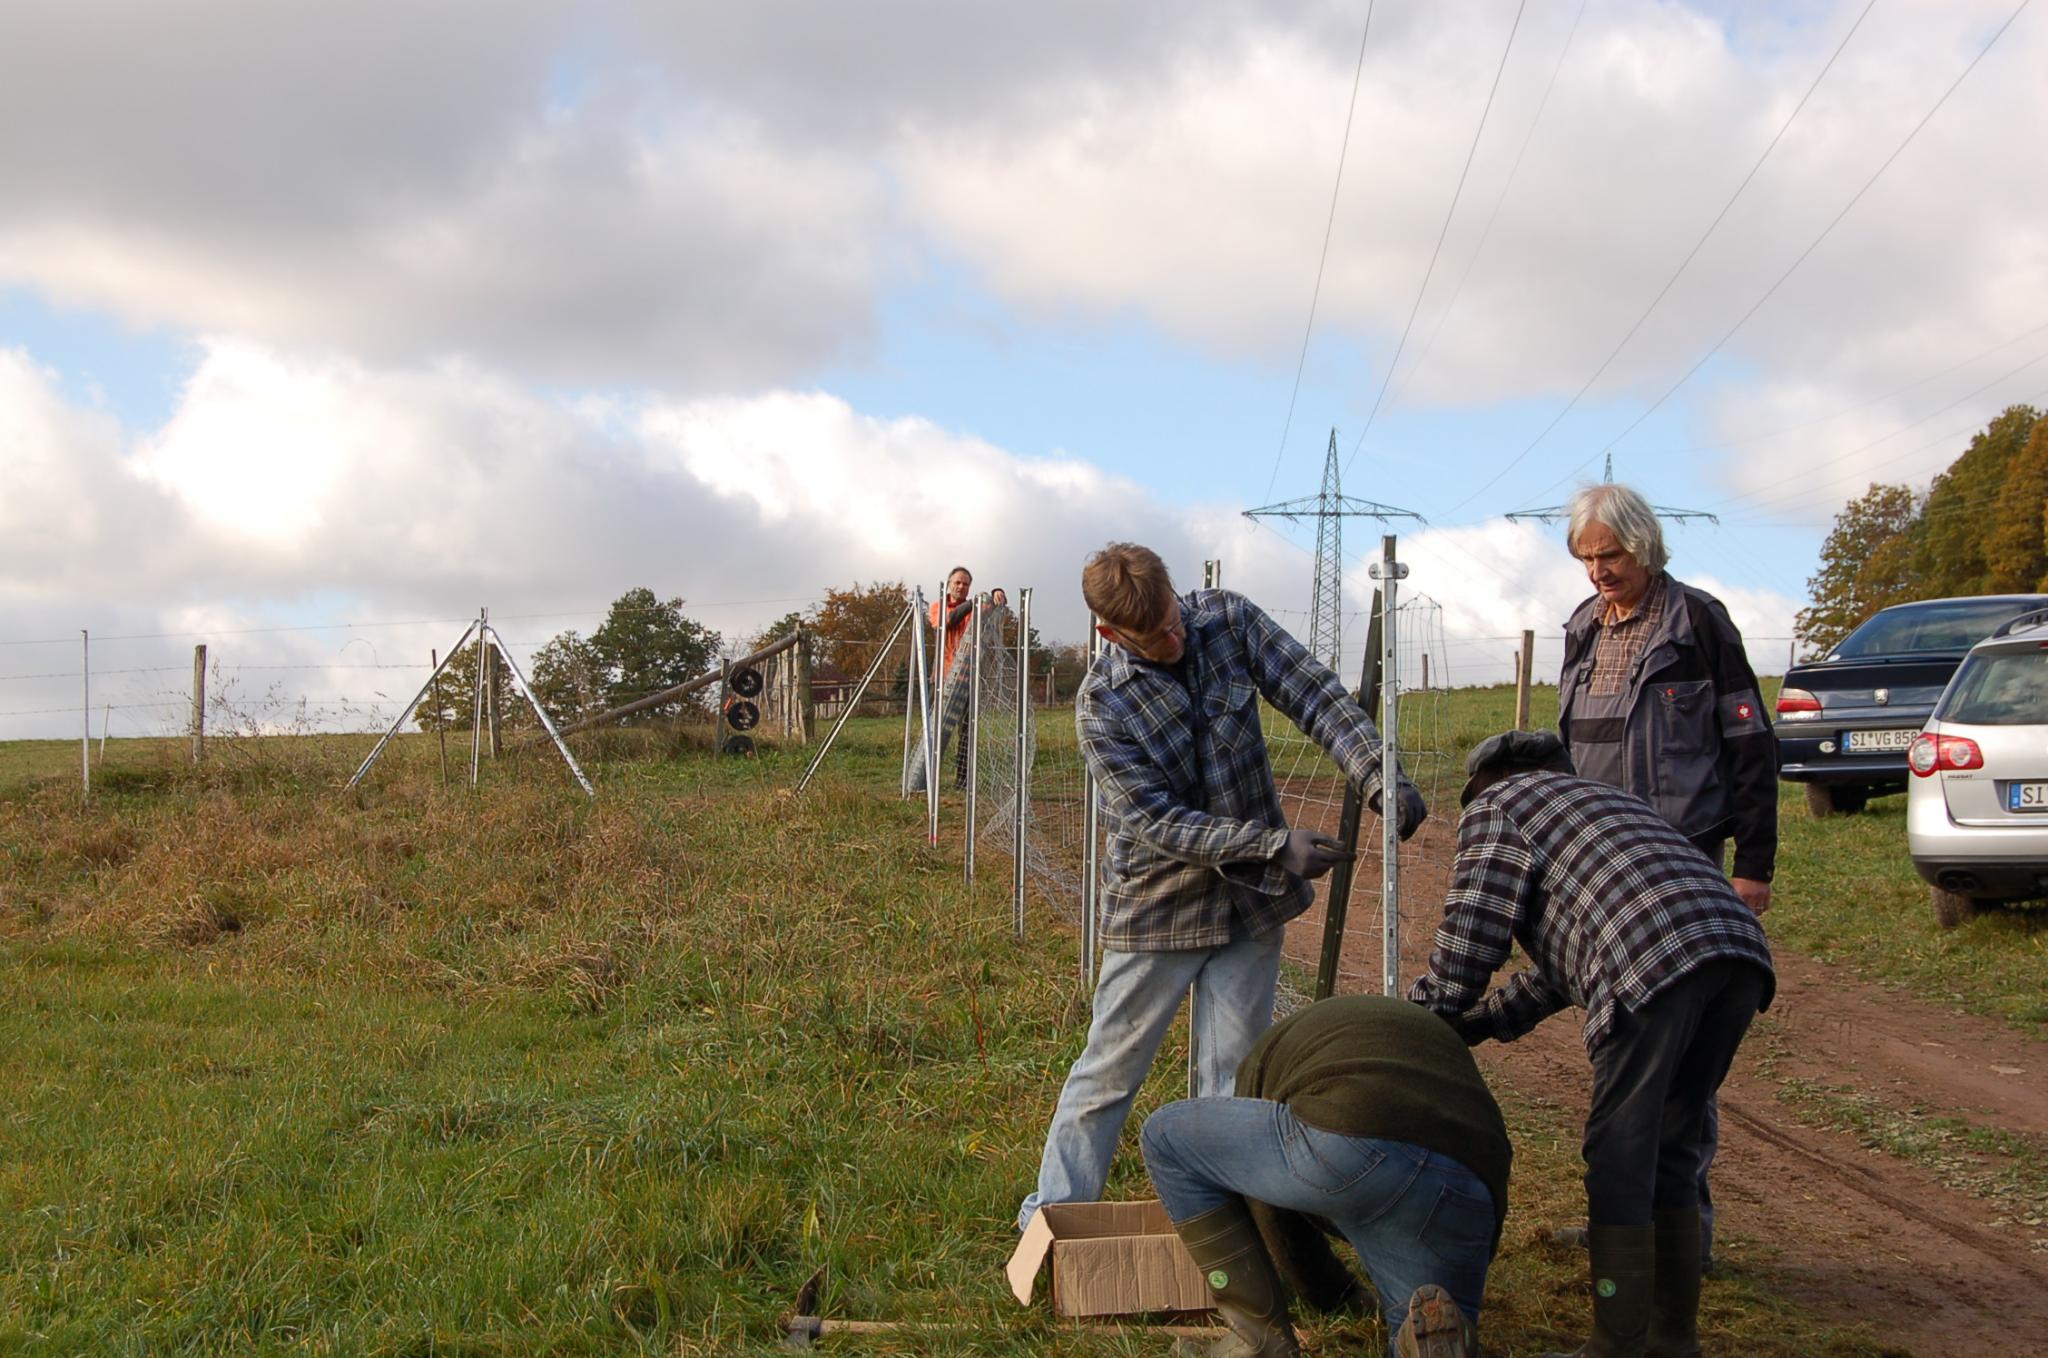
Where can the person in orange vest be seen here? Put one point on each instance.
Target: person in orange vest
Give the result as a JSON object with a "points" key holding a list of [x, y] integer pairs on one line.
{"points": [[952, 614]]}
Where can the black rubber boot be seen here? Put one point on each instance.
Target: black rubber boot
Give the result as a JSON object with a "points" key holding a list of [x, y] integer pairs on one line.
{"points": [[1225, 1244], [1624, 1262], [1675, 1294]]}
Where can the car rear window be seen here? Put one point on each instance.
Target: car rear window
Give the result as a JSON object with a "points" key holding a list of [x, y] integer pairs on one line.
{"points": [[1935, 627], [1999, 688]]}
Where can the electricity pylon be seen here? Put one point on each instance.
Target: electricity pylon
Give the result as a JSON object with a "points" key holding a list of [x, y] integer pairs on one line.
{"points": [[1329, 508], [1556, 512]]}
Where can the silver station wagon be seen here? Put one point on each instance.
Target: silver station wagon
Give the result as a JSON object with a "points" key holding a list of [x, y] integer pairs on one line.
{"points": [[1977, 803]]}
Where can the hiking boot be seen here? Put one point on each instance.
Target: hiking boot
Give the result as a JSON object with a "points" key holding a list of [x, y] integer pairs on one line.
{"points": [[1624, 1262], [1435, 1327], [1224, 1242]]}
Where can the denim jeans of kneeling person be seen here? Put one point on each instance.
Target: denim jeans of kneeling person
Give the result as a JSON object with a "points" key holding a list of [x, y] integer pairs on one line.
{"points": [[1136, 998], [1414, 1216]]}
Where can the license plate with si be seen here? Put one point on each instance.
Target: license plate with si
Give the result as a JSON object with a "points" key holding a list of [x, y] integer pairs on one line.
{"points": [[1863, 742], [2026, 796]]}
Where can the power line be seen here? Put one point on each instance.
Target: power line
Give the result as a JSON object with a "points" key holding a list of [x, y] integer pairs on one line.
{"points": [[1959, 431], [1683, 264], [1825, 233], [1343, 150], [1750, 497], [1486, 233], [1862, 405], [1457, 194]]}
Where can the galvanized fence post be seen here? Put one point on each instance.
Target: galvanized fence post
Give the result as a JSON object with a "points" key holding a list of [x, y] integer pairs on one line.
{"points": [[970, 734], [1389, 572], [1022, 810]]}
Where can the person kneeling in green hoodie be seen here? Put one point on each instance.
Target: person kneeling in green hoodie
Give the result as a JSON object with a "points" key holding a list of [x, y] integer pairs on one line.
{"points": [[1363, 1115]]}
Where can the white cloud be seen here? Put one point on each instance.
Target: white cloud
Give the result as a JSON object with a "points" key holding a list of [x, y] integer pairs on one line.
{"points": [[704, 200]]}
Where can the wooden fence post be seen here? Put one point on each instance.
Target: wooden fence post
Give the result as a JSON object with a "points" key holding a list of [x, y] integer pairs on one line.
{"points": [[1523, 664], [199, 702], [806, 698], [489, 655]]}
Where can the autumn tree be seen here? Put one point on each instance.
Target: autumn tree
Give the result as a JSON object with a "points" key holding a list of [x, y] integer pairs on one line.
{"points": [[2016, 541], [852, 623], [1865, 564], [1966, 511], [1982, 528]]}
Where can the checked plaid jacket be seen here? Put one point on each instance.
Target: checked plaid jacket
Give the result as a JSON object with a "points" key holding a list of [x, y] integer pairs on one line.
{"points": [[1610, 903], [1186, 785]]}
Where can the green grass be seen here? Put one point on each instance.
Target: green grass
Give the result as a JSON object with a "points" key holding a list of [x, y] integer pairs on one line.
{"points": [[416, 1070]]}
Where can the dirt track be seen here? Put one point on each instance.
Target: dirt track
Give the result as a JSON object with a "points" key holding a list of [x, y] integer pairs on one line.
{"points": [[1852, 1233]]}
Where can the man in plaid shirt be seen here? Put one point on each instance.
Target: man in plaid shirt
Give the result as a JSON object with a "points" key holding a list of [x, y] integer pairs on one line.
{"points": [[1202, 871], [1622, 916]]}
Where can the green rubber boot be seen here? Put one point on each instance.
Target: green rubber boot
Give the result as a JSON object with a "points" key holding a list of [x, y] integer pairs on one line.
{"points": [[1624, 1264], [1675, 1295], [1225, 1244]]}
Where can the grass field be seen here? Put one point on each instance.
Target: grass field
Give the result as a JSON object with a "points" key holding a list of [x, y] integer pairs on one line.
{"points": [[418, 1070]]}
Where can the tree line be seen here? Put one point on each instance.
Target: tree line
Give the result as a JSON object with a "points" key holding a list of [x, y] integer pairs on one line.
{"points": [[1981, 527]]}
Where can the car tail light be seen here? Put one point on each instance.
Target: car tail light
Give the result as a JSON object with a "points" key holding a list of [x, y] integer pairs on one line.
{"points": [[1930, 754], [1796, 704]]}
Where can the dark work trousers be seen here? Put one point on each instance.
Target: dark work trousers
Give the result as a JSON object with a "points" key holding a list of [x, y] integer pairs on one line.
{"points": [[1653, 1078], [1714, 844]]}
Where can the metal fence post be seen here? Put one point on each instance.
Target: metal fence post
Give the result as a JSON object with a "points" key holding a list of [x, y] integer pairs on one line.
{"points": [[934, 738], [910, 659], [846, 711], [85, 712], [476, 730], [970, 734], [1022, 810], [1388, 572]]}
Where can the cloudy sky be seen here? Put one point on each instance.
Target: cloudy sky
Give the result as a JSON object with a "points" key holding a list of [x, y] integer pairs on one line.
{"points": [[373, 314]]}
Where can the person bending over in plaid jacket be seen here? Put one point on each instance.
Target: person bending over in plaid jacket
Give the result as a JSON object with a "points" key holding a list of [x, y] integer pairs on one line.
{"points": [[1202, 872], [1624, 917]]}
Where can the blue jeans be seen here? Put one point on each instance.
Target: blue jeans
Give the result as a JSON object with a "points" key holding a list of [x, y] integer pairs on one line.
{"points": [[1136, 998], [1414, 1216]]}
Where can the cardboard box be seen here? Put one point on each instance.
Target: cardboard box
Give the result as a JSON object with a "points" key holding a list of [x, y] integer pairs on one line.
{"points": [[1108, 1258]]}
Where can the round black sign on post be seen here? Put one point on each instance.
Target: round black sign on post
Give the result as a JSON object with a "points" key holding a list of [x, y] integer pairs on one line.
{"points": [[746, 682], [738, 746], [742, 715]]}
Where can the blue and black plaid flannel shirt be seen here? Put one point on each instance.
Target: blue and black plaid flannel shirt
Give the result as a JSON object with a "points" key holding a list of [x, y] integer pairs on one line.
{"points": [[1610, 903], [1187, 788]]}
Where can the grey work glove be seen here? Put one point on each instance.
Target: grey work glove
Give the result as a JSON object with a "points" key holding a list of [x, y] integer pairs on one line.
{"points": [[1310, 855], [1409, 808]]}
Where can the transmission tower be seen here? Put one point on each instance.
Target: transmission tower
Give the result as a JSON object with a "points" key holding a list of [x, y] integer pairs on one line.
{"points": [[1329, 508], [1556, 512]]}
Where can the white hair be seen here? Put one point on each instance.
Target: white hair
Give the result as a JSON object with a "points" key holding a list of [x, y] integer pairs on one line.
{"points": [[1625, 514]]}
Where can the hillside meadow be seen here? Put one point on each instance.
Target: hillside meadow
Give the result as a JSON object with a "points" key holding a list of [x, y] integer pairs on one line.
{"points": [[416, 1069]]}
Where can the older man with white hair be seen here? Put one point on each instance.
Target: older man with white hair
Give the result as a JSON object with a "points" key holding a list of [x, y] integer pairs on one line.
{"points": [[1658, 698]]}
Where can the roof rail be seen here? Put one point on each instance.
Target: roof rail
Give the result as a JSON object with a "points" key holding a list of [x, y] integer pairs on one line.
{"points": [[2031, 618]]}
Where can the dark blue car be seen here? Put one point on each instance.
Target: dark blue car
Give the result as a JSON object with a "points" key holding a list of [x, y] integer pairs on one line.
{"points": [[1845, 720]]}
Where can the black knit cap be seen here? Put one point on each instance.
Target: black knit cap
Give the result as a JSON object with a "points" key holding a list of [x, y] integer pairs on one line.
{"points": [[1510, 752]]}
